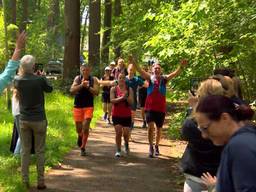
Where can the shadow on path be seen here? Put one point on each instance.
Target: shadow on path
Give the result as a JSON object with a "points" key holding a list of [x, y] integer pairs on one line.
{"points": [[100, 171]]}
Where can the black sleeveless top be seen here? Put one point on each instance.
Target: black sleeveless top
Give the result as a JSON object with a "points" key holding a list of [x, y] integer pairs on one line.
{"points": [[84, 98]]}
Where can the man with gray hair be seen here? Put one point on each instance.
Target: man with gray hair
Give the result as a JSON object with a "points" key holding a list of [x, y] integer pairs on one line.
{"points": [[33, 121]]}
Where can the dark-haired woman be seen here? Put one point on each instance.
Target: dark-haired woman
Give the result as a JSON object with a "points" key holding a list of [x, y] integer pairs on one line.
{"points": [[220, 120], [121, 96]]}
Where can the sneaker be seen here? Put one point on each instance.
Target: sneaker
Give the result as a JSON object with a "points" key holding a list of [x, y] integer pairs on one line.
{"points": [[126, 148], [151, 151], [79, 141], [118, 154], [157, 150], [83, 153], [132, 125], [144, 124], [105, 116], [109, 122]]}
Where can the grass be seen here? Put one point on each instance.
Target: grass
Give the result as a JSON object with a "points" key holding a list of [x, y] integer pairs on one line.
{"points": [[61, 138]]}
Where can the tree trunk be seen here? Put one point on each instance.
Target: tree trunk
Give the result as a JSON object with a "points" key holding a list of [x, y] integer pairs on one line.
{"points": [[94, 35], [107, 32], [53, 32], [72, 38], [14, 11], [23, 23], [84, 32], [117, 13]]}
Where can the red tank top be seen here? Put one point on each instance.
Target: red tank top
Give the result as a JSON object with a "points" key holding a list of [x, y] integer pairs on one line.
{"points": [[121, 109], [156, 100]]}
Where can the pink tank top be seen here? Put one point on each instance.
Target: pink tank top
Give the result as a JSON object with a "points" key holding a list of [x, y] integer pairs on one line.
{"points": [[121, 109]]}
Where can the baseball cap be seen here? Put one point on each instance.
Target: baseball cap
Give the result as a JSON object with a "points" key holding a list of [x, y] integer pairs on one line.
{"points": [[107, 68], [113, 63]]}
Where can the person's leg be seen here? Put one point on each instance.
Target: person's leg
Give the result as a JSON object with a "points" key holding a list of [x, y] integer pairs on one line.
{"points": [[105, 110], [26, 144], [85, 132], [79, 127], [39, 129], [18, 144], [78, 115], [159, 124], [119, 132], [126, 135], [143, 117], [109, 107]]}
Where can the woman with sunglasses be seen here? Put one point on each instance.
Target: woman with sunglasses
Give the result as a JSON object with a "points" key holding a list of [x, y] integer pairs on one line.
{"points": [[226, 123]]}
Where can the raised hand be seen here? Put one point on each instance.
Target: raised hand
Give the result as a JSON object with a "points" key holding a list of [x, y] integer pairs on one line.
{"points": [[20, 42], [183, 62]]}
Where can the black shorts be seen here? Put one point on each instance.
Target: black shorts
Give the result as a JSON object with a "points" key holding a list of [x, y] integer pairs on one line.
{"points": [[142, 96], [156, 117], [106, 97], [124, 121]]}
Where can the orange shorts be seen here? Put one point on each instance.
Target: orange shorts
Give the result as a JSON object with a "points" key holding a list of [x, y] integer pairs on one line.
{"points": [[80, 114]]}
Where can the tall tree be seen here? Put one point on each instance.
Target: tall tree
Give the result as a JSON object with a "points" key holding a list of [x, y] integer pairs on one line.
{"points": [[14, 11], [53, 31], [94, 34], [72, 37], [117, 14], [24, 19], [107, 32]]}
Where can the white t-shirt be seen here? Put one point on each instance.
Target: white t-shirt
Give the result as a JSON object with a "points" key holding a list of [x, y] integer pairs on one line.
{"points": [[15, 106]]}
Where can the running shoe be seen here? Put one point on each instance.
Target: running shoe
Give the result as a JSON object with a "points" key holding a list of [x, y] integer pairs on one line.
{"points": [[157, 150], [118, 154], [83, 152], [151, 151], [105, 116], [144, 124], [126, 148], [109, 122]]}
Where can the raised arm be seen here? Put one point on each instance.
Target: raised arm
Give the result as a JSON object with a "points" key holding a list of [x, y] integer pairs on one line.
{"points": [[144, 74], [10, 70], [175, 73]]}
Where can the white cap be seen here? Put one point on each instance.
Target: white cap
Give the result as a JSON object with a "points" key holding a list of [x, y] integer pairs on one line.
{"points": [[113, 63], [107, 68]]}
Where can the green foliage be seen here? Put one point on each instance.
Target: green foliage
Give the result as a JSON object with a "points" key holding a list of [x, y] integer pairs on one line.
{"points": [[61, 138], [210, 33], [174, 130]]}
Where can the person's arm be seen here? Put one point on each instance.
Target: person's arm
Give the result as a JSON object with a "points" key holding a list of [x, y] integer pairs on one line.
{"points": [[95, 88], [47, 87], [129, 98], [144, 74], [114, 99], [13, 64], [175, 73], [107, 82], [77, 85]]}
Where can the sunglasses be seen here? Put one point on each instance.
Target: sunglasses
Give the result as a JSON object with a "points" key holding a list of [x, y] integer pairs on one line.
{"points": [[205, 128]]}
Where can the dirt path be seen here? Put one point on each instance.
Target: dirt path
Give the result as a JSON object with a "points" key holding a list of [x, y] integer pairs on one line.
{"points": [[100, 171]]}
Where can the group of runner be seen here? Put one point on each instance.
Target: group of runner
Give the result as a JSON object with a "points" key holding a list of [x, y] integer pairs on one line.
{"points": [[120, 85]]}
